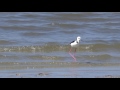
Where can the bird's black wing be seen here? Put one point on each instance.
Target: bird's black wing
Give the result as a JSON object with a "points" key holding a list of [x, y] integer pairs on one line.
{"points": [[72, 42]]}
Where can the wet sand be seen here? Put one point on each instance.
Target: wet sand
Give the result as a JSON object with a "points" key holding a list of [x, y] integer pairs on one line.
{"points": [[58, 70]]}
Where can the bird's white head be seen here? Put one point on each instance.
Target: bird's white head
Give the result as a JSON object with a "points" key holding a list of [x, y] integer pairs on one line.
{"points": [[78, 38]]}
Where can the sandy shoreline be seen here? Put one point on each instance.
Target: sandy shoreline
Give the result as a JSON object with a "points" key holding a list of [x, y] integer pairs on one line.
{"points": [[59, 71]]}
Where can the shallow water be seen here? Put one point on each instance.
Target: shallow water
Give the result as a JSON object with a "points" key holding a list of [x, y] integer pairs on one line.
{"points": [[44, 37]]}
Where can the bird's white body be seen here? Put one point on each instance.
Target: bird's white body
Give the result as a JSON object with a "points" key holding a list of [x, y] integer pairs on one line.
{"points": [[76, 42]]}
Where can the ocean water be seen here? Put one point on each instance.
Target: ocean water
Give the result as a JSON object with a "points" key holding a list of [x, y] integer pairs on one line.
{"points": [[27, 37]]}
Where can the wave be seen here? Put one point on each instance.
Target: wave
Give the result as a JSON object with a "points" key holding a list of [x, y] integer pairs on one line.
{"points": [[55, 51], [52, 47]]}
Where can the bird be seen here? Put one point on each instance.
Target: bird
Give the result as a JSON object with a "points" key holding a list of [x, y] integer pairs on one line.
{"points": [[74, 44]]}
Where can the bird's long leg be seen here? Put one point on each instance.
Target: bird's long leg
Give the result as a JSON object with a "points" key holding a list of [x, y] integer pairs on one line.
{"points": [[71, 54], [74, 52]]}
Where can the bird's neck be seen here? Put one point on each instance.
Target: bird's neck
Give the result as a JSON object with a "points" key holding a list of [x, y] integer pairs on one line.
{"points": [[78, 41]]}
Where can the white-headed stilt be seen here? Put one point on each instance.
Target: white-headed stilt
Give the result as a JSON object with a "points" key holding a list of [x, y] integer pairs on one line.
{"points": [[74, 44]]}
